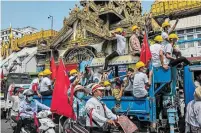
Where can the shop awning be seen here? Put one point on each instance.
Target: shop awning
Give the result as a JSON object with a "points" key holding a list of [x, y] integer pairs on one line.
{"points": [[120, 60]]}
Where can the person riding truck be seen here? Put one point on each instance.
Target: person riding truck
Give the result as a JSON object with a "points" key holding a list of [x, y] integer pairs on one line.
{"points": [[140, 81], [134, 43], [121, 46], [168, 50], [46, 84]]}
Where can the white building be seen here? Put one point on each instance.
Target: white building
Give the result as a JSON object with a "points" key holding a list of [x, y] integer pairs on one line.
{"points": [[189, 31], [17, 32]]}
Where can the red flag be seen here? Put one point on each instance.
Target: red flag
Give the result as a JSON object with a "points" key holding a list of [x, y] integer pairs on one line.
{"points": [[145, 54], [60, 103], [2, 76], [53, 68]]}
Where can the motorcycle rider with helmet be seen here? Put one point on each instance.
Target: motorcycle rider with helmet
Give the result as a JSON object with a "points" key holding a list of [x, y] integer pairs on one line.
{"points": [[28, 108]]}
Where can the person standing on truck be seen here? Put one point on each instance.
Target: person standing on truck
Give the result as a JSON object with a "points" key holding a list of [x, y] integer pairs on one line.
{"points": [[193, 113], [121, 46], [46, 83], [98, 114], [141, 81], [167, 30], [134, 43], [168, 50], [128, 82]]}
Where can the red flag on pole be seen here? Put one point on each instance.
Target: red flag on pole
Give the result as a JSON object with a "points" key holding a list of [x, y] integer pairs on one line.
{"points": [[53, 68], [60, 103], [145, 54]]}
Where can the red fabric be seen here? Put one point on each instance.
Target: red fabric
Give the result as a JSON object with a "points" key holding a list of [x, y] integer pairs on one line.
{"points": [[90, 115], [145, 54], [126, 124], [36, 123], [35, 87], [71, 66], [2, 75], [60, 104], [53, 68]]}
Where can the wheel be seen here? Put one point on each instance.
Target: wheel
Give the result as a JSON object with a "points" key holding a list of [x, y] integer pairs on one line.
{"points": [[66, 126], [51, 130]]}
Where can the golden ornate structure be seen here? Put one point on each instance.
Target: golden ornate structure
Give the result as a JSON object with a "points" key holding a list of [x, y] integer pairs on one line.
{"points": [[31, 40], [94, 23], [175, 9]]}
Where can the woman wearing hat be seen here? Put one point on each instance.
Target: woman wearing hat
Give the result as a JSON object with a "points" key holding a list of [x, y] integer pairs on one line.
{"points": [[46, 84], [193, 113], [98, 113]]}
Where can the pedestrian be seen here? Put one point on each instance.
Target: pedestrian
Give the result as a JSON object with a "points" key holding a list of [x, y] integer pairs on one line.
{"points": [[193, 113], [197, 82], [108, 88], [98, 114], [141, 81], [134, 43], [121, 46], [46, 84]]}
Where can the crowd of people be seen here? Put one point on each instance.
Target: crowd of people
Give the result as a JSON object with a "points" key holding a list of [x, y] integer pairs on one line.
{"points": [[94, 113]]}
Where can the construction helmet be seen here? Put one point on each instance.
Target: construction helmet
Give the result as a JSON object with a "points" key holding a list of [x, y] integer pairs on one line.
{"points": [[173, 36], [139, 64], [47, 72], [73, 71], [166, 23], [106, 83], [118, 30], [41, 74], [158, 38], [134, 27]]}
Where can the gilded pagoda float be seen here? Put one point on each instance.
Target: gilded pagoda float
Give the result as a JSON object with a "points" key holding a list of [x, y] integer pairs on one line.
{"points": [[86, 33]]}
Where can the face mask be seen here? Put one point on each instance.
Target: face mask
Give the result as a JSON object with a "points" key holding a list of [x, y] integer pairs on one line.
{"points": [[80, 95], [99, 98], [30, 99], [107, 88], [21, 96]]}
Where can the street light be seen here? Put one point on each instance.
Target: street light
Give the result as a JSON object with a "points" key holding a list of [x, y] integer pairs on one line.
{"points": [[51, 17]]}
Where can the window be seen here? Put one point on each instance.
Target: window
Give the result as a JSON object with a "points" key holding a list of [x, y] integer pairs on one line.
{"points": [[190, 44], [199, 43], [1, 33], [16, 33], [181, 37], [189, 37], [198, 29], [2, 38], [198, 35], [189, 31], [180, 32], [182, 46]]}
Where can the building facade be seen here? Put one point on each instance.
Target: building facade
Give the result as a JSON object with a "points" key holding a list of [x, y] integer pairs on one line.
{"points": [[189, 32], [16, 32]]}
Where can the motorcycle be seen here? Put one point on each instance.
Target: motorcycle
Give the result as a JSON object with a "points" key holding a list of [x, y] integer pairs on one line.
{"points": [[46, 125]]}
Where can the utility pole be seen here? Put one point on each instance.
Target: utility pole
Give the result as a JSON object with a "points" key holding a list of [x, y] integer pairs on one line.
{"points": [[51, 17]]}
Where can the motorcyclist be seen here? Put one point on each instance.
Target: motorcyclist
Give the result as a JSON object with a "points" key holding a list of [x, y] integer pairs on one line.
{"points": [[28, 108]]}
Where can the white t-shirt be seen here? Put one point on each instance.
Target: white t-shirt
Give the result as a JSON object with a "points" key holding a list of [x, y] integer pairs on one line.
{"points": [[44, 84], [155, 52], [35, 81], [140, 80], [121, 44], [167, 49]]}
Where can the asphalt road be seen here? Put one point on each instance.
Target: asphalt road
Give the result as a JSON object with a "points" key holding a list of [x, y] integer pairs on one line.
{"points": [[5, 127]]}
